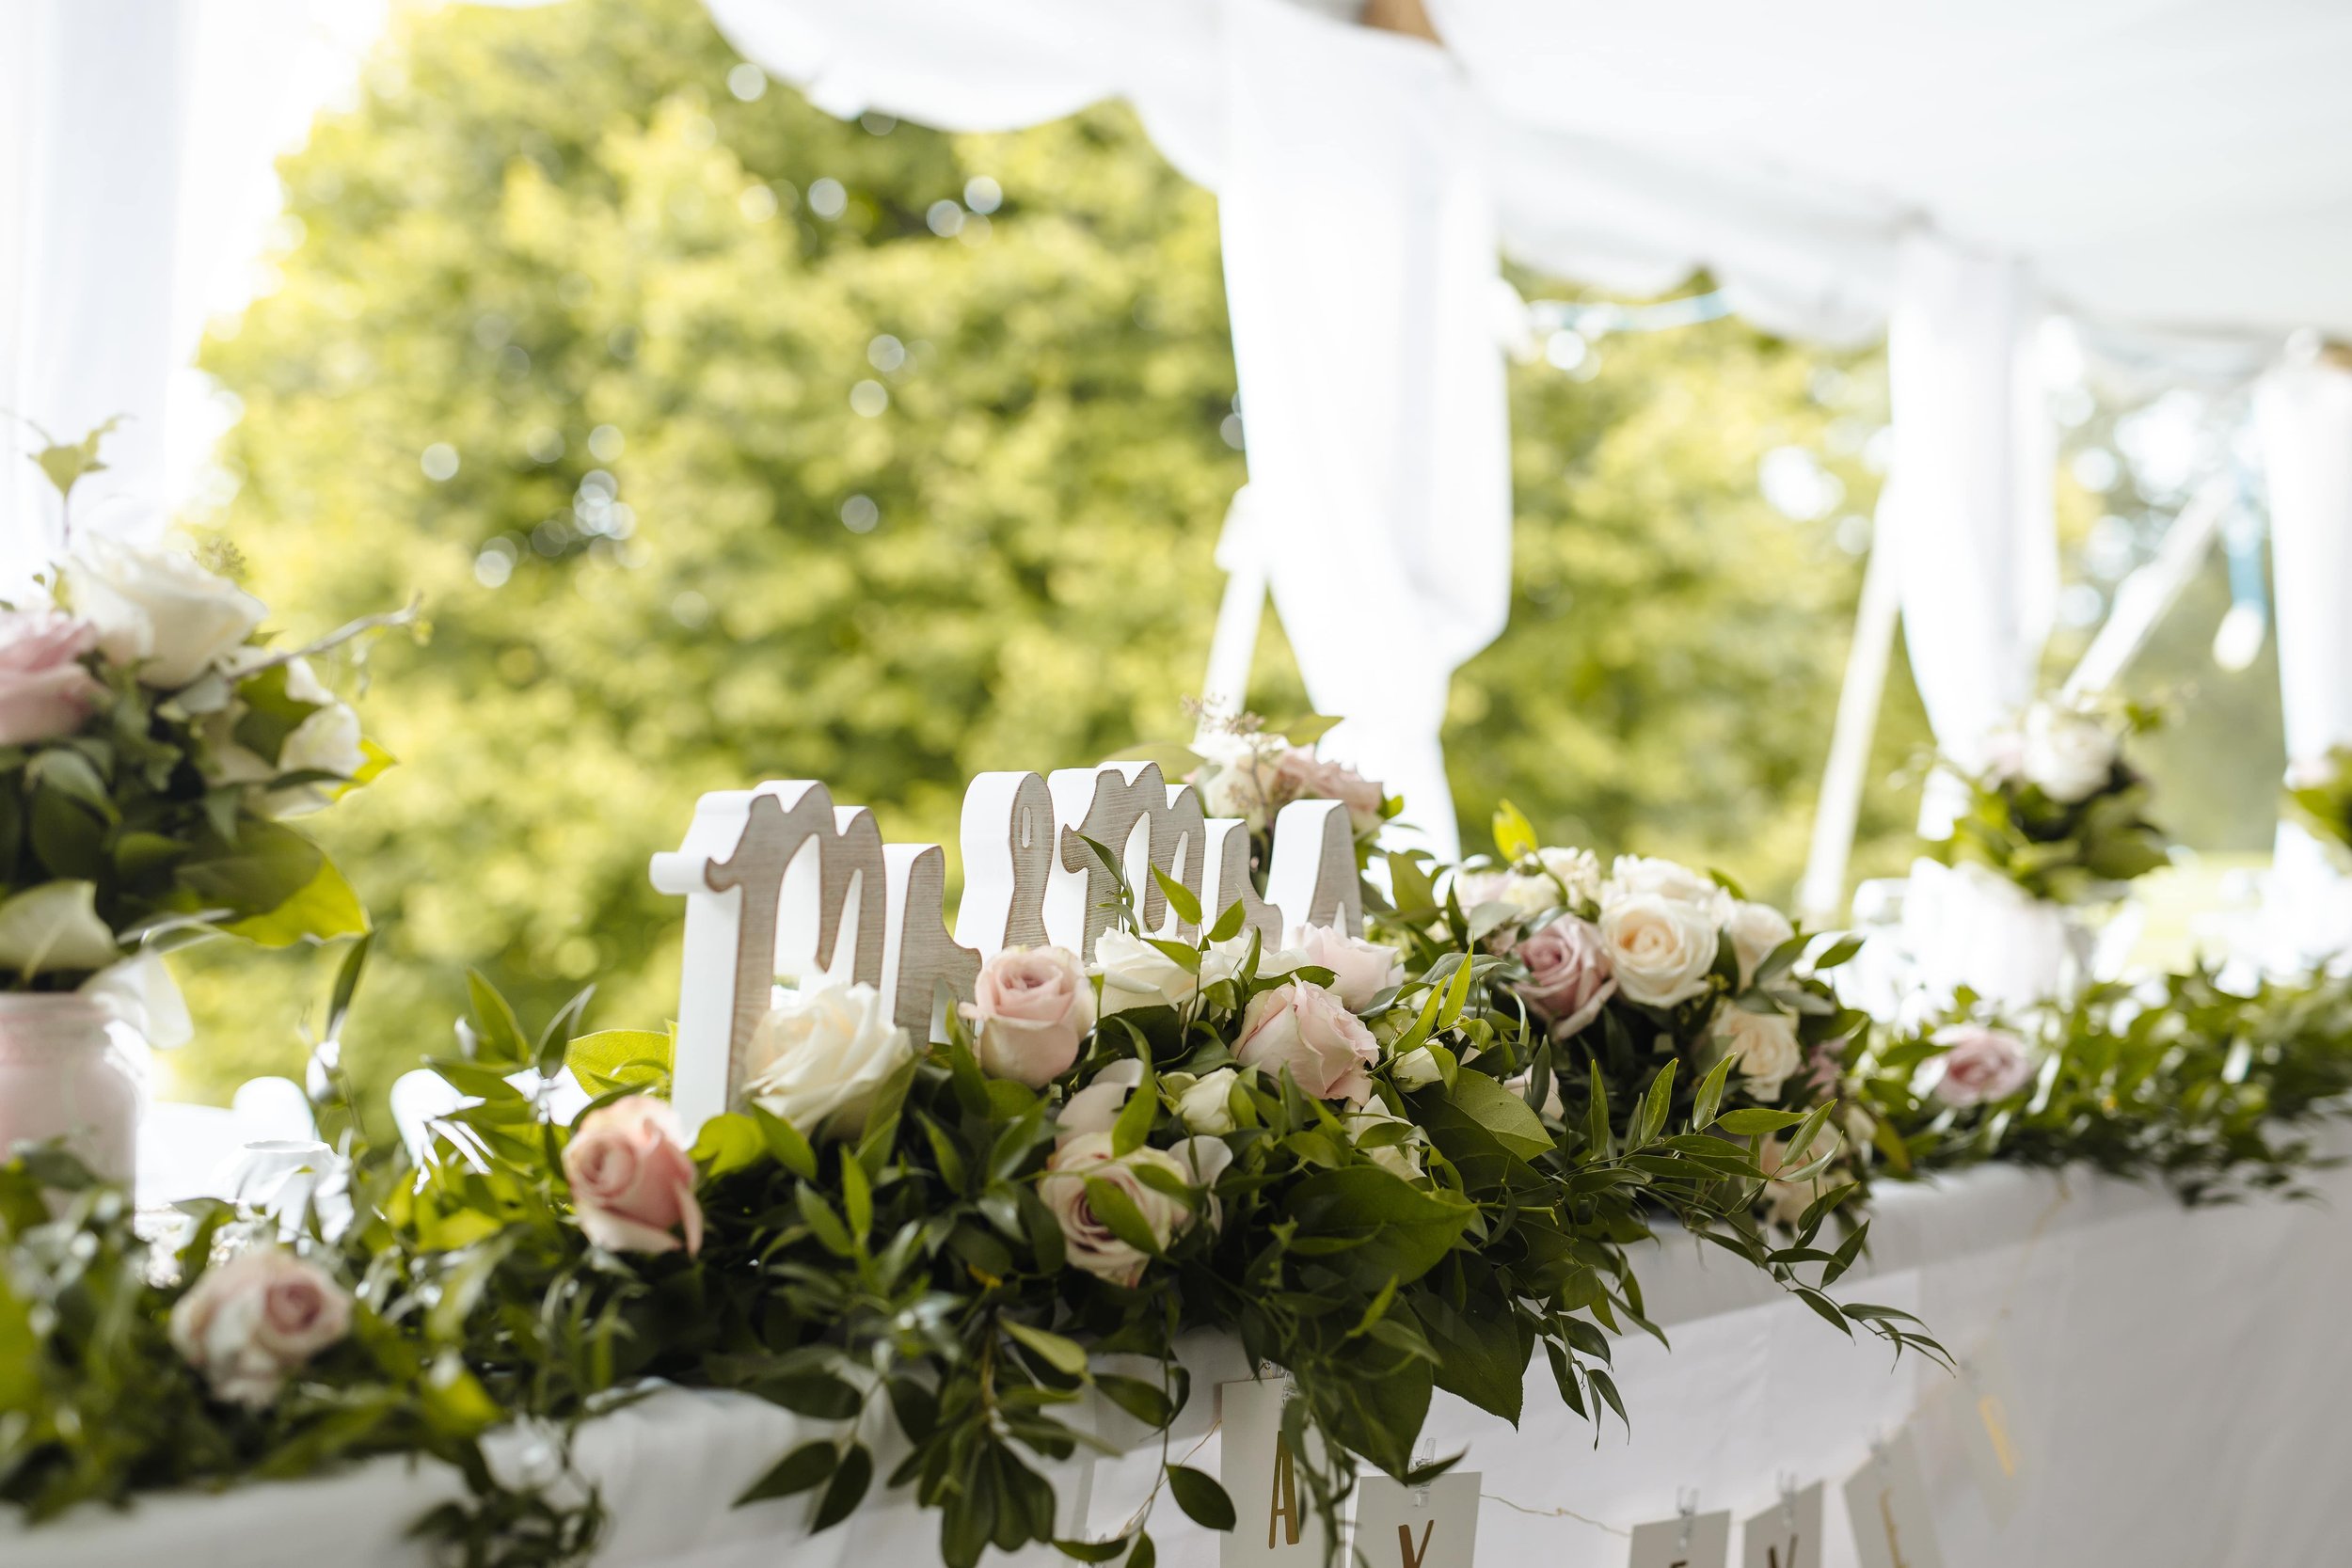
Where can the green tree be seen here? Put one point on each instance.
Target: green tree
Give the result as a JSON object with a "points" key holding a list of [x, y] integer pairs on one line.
{"points": [[750, 471]]}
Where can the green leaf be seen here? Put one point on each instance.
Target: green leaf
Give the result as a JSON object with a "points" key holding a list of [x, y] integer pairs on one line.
{"points": [[784, 1141], [797, 1472], [1202, 1499], [1501, 1112], [1710, 1096], [1514, 836], [1750, 1120], [497, 1037], [1181, 898], [611, 1059], [1064, 1356], [322, 910], [1657, 1103], [1227, 925], [1114, 1207], [1136, 1117], [727, 1143], [846, 1489], [1391, 1228], [857, 1198]]}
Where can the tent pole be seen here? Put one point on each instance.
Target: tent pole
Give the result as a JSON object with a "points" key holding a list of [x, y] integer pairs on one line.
{"points": [[1822, 892]]}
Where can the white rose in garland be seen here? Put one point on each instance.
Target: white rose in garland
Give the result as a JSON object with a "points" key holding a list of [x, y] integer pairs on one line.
{"points": [[1137, 975], [1205, 1104], [2069, 753], [1764, 1045], [1360, 970], [1659, 923], [820, 1056], [159, 610], [1756, 931]]}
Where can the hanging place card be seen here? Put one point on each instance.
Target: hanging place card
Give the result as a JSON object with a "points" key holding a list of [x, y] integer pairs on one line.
{"points": [[1276, 1524], [1686, 1540], [1417, 1526], [1785, 1535], [1894, 1519]]}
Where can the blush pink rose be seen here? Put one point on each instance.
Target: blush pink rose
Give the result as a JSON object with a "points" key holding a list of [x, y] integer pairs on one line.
{"points": [[1982, 1065], [1302, 1027], [1086, 1241], [1569, 980], [1360, 970], [44, 690], [248, 1322], [632, 1181], [1301, 775], [1033, 1006]]}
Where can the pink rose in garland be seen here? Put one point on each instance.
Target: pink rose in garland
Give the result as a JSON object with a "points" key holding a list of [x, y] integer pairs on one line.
{"points": [[1568, 980], [1033, 1006], [1982, 1065], [44, 690], [1090, 1244], [1301, 775], [1360, 970], [1308, 1029], [632, 1181], [250, 1322]]}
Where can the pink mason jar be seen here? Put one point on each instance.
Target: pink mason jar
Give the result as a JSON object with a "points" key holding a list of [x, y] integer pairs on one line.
{"points": [[64, 1074]]}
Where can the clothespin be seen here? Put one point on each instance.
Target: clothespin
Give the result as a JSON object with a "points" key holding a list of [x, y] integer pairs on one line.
{"points": [[1423, 1451], [1686, 1510], [1788, 1501]]}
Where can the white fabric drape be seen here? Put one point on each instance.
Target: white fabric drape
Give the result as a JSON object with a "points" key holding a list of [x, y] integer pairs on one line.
{"points": [[2304, 414], [1968, 505]]}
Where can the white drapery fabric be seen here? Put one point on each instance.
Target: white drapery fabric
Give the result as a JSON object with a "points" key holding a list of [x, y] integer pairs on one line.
{"points": [[2304, 414]]}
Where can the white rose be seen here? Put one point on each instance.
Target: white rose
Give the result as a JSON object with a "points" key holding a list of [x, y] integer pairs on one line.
{"points": [[1401, 1157], [1206, 1105], [1635, 875], [2069, 752], [1764, 1044], [1660, 948], [1756, 931], [820, 1056], [1416, 1070], [1578, 871], [159, 610], [1096, 1107], [1137, 975]]}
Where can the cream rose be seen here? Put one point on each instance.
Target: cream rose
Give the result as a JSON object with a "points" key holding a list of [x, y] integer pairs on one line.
{"points": [[1398, 1154], [1660, 947], [1763, 1044], [1304, 1028], [247, 1322], [1205, 1104], [1360, 970], [1137, 975], [1091, 1244], [159, 610], [1980, 1064], [1033, 1008], [632, 1181], [44, 690], [819, 1057], [1095, 1107], [1568, 980], [1756, 931], [1416, 1070], [2069, 752]]}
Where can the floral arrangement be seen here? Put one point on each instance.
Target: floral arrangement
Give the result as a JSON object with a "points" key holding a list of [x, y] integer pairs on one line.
{"points": [[1246, 770], [2057, 809], [1331, 1149], [153, 745], [2320, 790]]}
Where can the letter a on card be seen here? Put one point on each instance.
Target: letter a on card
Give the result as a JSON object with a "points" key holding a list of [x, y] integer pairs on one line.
{"points": [[1692, 1540], [1277, 1526], [1417, 1526], [1894, 1518]]}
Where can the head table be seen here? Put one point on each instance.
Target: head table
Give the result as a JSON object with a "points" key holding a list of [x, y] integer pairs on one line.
{"points": [[2173, 1379]]}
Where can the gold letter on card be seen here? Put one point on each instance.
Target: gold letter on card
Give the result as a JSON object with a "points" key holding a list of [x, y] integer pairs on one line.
{"points": [[1407, 1555], [1283, 1508]]}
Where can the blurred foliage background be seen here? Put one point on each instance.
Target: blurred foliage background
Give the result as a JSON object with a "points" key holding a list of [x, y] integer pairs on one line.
{"points": [[726, 440]]}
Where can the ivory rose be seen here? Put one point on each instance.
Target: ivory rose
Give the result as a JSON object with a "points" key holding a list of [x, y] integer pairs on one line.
{"points": [[632, 1181], [160, 610], [247, 1322], [1568, 980], [820, 1056], [1205, 1104], [1660, 947], [1033, 1008], [1764, 1044], [1360, 970], [1306, 1028], [1137, 975], [1756, 931], [44, 690], [2069, 752], [1095, 1107], [1397, 1153], [1981, 1063], [1090, 1244]]}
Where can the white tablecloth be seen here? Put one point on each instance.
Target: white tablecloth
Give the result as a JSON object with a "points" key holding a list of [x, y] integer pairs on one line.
{"points": [[2177, 1378]]}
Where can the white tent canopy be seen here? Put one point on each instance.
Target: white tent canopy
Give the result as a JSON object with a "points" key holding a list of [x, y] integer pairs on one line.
{"points": [[2167, 166]]}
